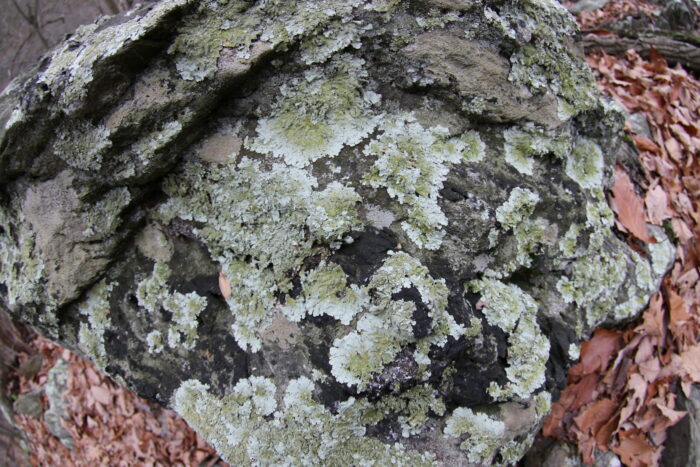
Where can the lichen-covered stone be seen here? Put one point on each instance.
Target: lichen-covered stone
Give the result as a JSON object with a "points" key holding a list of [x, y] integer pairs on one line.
{"points": [[326, 232]]}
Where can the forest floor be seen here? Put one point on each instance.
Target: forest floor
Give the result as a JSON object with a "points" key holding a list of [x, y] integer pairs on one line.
{"points": [[622, 395]]}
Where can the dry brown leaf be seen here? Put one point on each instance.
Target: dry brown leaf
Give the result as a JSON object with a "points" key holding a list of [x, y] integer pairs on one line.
{"points": [[682, 231], [597, 352], [224, 286], [634, 449], [690, 362], [653, 317], [656, 201], [629, 208], [674, 149], [595, 415], [645, 144]]}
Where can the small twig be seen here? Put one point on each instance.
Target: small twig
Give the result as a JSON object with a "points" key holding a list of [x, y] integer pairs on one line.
{"points": [[674, 51]]}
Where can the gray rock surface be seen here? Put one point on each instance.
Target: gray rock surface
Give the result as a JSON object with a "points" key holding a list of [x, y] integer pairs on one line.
{"points": [[325, 232], [55, 389]]}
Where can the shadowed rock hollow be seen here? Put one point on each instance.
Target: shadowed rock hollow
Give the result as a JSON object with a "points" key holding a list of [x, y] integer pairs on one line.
{"points": [[325, 232]]}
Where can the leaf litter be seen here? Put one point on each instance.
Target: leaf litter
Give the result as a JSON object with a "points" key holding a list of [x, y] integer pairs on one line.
{"points": [[621, 396], [108, 424]]}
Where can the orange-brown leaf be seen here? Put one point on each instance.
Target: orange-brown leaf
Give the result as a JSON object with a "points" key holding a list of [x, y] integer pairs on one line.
{"points": [[224, 286], [634, 449], [645, 144], [690, 362], [595, 415], [629, 208], [597, 352], [657, 204]]}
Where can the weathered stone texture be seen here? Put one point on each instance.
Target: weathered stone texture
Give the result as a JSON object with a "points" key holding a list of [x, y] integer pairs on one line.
{"points": [[405, 200]]}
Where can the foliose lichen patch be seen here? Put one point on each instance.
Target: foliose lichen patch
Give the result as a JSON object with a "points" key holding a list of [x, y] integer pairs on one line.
{"points": [[318, 114], [388, 325], [20, 264], [237, 25], [254, 428], [153, 293], [91, 335], [515, 312], [259, 225], [543, 61], [412, 163], [522, 144], [483, 433], [71, 65]]}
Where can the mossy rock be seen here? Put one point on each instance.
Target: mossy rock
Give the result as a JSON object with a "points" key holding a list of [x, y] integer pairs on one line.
{"points": [[325, 232]]}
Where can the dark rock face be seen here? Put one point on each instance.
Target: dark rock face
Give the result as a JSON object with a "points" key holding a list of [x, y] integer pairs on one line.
{"points": [[334, 232]]}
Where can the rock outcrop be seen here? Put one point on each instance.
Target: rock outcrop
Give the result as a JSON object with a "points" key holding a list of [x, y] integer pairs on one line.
{"points": [[325, 232]]}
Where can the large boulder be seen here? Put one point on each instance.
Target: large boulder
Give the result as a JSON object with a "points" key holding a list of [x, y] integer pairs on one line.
{"points": [[325, 232]]}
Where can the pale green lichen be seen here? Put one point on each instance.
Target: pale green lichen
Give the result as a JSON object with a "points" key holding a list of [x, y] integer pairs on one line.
{"points": [[585, 164], [594, 283], [600, 270], [157, 140], [21, 266], [518, 208], [484, 433], [515, 312], [382, 6], [543, 60], [185, 309], [91, 334], [239, 25], [325, 291], [528, 352], [249, 427], [153, 294], [437, 19], [523, 143], [514, 215], [259, 225], [662, 253], [574, 352], [84, 146], [412, 407], [387, 327], [151, 291], [503, 304], [513, 450], [104, 216], [570, 243], [318, 114], [412, 164], [339, 35], [474, 149], [543, 404], [154, 340]]}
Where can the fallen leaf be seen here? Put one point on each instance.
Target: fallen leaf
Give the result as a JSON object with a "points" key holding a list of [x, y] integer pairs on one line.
{"points": [[224, 286], [656, 201], [629, 208], [645, 144], [593, 416], [597, 352], [634, 449], [653, 317], [690, 362]]}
